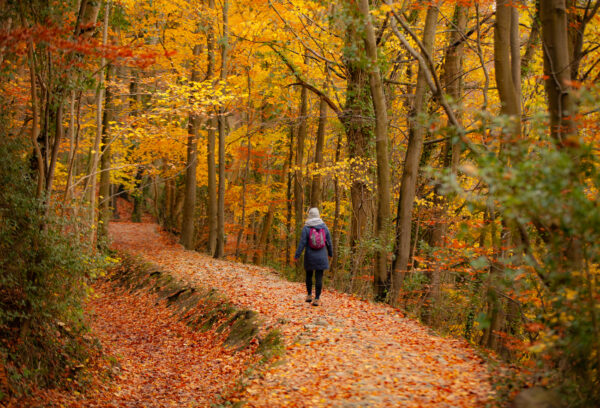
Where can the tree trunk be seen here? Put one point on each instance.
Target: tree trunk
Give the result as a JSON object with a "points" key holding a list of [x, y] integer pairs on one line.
{"points": [[35, 130], [299, 212], [220, 250], [452, 79], [212, 126], [247, 168], [189, 205], [557, 70], [288, 222], [411, 163], [298, 181], [264, 234], [506, 61], [74, 125], [58, 135], [336, 216], [316, 189], [98, 138], [105, 212], [358, 127], [381, 281]]}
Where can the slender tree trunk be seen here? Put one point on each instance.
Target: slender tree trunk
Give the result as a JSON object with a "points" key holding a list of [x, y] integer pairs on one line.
{"points": [[246, 170], [264, 234], [212, 126], [298, 179], [105, 212], [189, 205], [411, 163], [58, 136], [73, 143], [531, 46], [507, 63], [381, 280], [336, 216], [41, 178], [98, 138], [452, 79], [316, 189], [220, 250], [299, 213], [288, 224], [557, 70]]}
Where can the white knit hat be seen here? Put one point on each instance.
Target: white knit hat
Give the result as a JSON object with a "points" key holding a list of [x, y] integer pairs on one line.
{"points": [[313, 213]]}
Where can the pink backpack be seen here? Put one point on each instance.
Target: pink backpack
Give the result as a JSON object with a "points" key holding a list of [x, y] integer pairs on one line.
{"points": [[316, 238]]}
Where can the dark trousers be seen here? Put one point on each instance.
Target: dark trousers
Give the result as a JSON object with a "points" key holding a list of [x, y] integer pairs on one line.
{"points": [[318, 282]]}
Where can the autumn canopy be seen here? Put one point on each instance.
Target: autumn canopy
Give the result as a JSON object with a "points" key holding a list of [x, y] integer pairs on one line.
{"points": [[450, 146]]}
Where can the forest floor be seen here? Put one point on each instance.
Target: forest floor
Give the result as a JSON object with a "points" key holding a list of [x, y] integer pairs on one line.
{"points": [[345, 353]]}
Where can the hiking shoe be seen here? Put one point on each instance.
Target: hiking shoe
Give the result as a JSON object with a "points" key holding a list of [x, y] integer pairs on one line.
{"points": [[308, 299], [316, 302]]}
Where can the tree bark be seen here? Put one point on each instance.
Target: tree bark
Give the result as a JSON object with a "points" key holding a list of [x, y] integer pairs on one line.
{"points": [[381, 280], [58, 136], [452, 79], [189, 205], [557, 70], [288, 174], [105, 212], [220, 250], [336, 216], [98, 138], [35, 130], [246, 169], [411, 163], [506, 62], [211, 132], [358, 126], [316, 189], [298, 179], [531, 46], [264, 234], [74, 125]]}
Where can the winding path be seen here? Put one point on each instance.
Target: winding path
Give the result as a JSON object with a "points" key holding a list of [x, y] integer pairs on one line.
{"points": [[345, 353]]}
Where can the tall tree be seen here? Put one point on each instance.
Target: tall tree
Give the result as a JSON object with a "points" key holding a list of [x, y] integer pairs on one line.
{"points": [[222, 121], [507, 62], [557, 69], [105, 213], [411, 161], [189, 205], [358, 126], [316, 189], [210, 136], [381, 145], [299, 213], [99, 116]]}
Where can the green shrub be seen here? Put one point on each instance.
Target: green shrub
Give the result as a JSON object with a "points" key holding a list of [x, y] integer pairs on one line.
{"points": [[45, 269]]}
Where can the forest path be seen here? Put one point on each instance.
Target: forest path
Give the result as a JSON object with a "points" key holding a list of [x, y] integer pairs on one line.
{"points": [[345, 353]]}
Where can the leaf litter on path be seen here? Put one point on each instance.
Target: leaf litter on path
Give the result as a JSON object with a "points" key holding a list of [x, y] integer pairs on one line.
{"points": [[347, 352]]}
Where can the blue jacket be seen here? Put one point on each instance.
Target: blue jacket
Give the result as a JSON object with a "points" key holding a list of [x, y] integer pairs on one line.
{"points": [[314, 259]]}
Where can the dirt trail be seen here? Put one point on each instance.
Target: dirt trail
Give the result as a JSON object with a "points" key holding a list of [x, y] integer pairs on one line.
{"points": [[345, 353]]}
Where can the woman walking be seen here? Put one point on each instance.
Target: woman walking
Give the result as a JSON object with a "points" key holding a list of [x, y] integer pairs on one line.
{"points": [[317, 241]]}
